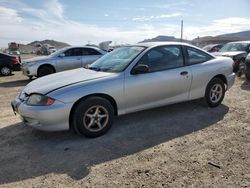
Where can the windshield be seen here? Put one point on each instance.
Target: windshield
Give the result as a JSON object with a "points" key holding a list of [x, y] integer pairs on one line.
{"points": [[117, 60], [234, 47], [58, 52]]}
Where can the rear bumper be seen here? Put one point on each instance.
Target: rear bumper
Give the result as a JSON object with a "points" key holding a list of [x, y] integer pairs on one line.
{"points": [[230, 80], [247, 67]]}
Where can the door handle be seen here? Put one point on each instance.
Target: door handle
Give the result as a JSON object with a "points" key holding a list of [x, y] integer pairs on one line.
{"points": [[184, 73]]}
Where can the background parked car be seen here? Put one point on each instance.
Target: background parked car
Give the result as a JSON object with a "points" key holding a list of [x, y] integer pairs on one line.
{"points": [[64, 59], [126, 80], [212, 47], [238, 52], [8, 63], [16, 52], [247, 73]]}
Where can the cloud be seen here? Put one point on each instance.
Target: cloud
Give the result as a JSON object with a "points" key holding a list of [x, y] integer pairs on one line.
{"points": [[55, 8], [8, 16], [180, 5], [149, 18], [106, 15], [217, 27], [25, 24]]}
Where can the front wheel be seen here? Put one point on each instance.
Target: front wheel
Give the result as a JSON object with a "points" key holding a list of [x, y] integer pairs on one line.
{"points": [[93, 117], [45, 70], [215, 92], [5, 71]]}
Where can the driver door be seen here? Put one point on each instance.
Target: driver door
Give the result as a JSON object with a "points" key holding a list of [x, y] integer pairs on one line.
{"points": [[167, 81], [72, 59]]}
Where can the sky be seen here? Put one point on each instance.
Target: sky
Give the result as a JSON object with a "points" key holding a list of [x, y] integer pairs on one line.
{"points": [[79, 22]]}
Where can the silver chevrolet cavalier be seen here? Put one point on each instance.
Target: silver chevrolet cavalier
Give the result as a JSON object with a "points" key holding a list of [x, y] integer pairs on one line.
{"points": [[128, 79]]}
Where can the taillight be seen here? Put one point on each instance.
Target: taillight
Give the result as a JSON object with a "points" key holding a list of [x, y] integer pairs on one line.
{"points": [[15, 60]]}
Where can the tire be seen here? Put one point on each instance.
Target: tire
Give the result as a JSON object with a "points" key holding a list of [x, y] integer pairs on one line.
{"points": [[247, 76], [93, 117], [213, 96], [241, 68], [45, 70], [5, 71], [239, 73]]}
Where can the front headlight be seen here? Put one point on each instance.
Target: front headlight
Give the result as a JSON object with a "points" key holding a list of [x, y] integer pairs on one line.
{"points": [[39, 100], [248, 57]]}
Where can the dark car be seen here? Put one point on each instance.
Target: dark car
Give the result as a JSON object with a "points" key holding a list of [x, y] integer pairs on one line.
{"points": [[9, 63], [238, 52], [212, 47], [247, 73]]}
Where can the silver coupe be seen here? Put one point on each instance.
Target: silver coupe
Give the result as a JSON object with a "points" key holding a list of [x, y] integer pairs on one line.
{"points": [[128, 79], [64, 59]]}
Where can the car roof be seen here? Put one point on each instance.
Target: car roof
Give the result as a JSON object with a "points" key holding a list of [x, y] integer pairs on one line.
{"points": [[93, 47], [82, 47], [210, 45], [246, 41], [155, 44], [152, 44]]}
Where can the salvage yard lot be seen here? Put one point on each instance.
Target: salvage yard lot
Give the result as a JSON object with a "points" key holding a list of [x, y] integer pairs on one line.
{"points": [[181, 145]]}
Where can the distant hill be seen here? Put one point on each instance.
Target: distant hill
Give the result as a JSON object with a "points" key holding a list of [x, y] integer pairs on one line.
{"points": [[202, 41], [57, 44], [244, 35], [32, 47], [222, 39], [162, 38]]}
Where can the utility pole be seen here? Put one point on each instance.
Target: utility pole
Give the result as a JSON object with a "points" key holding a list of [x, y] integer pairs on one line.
{"points": [[181, 29]]}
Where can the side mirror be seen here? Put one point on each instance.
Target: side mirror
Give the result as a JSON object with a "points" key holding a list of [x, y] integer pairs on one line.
{"points": [[62, 55], [140, 69]]}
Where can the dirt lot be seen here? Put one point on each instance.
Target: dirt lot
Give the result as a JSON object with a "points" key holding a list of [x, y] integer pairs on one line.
{"points": [[182, 145]]}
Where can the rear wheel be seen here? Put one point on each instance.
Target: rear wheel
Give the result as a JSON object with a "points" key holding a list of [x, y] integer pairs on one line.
{"points": [[45, 70], [93, 117], [215, 92], [241, 68], [5, 70]]}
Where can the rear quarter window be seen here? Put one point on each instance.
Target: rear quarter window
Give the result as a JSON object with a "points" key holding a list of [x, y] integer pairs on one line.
{"points": [[90, 51], [195, 56]]}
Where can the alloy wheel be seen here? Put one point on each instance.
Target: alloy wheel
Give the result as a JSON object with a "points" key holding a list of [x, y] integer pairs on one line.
{"points": [[96, 118], [5, 70], [216, 93]]}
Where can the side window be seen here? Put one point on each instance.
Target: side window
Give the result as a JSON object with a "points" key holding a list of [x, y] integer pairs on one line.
{"points": [[90, 51], [162, 58], [73, 52], [195, 56]]}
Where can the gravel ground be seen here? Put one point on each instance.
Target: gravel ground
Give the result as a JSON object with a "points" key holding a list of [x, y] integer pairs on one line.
{"points": [[182, 145]]}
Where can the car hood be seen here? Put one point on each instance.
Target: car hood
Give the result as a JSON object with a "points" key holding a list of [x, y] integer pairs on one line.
{"points": [[59, 80], [36, 59], [229, 54]]}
